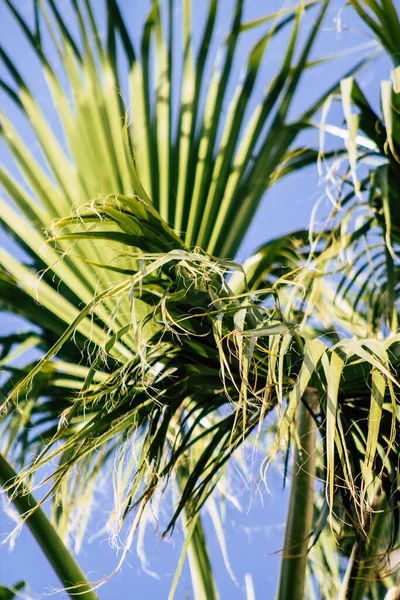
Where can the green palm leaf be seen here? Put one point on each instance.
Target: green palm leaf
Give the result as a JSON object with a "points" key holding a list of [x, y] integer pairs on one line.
{"points": [[153, 354]]}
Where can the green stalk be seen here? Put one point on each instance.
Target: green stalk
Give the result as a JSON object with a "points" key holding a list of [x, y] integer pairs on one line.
{"points": [[70, 575], [200, 565], [363, 566], [195, 547], [301, 506], [346, 579]]}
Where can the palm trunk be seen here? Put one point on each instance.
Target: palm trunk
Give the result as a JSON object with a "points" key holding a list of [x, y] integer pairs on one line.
{"points": [[301, 506], [48, 539]]}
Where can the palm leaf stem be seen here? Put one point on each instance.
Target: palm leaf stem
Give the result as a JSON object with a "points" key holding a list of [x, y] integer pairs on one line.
{"points": [[301, 505], [363, 565], [61, 560], [196, 549]]}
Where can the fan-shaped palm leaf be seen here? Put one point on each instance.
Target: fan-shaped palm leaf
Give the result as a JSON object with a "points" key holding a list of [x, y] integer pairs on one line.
{"points": [[176, 366]]}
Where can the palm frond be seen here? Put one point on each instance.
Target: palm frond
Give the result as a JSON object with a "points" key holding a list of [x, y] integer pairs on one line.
{"points": [[160, 356]]}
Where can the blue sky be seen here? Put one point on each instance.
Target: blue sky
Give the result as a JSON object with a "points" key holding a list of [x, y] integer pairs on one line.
{"points": [[254, 536]]}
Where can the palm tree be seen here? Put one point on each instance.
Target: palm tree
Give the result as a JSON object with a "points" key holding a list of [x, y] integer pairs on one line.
{"points": [[160, 355]]}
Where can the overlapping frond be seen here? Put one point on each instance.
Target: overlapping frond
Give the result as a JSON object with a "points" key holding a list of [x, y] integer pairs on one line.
{"points": [[194, 331]]}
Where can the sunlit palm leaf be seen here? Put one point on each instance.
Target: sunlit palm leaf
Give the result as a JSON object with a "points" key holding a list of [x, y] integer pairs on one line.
{"points": [[171, 355]]}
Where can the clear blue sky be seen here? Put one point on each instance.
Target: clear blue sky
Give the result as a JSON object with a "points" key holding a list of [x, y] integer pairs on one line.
{"points": [[254, 536]]}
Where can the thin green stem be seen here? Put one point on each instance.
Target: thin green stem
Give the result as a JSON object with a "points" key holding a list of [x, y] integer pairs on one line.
{"points": [[365, 556], [301, 506], [70, 575], [197, 551], [200, 565], [346, 579]]}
